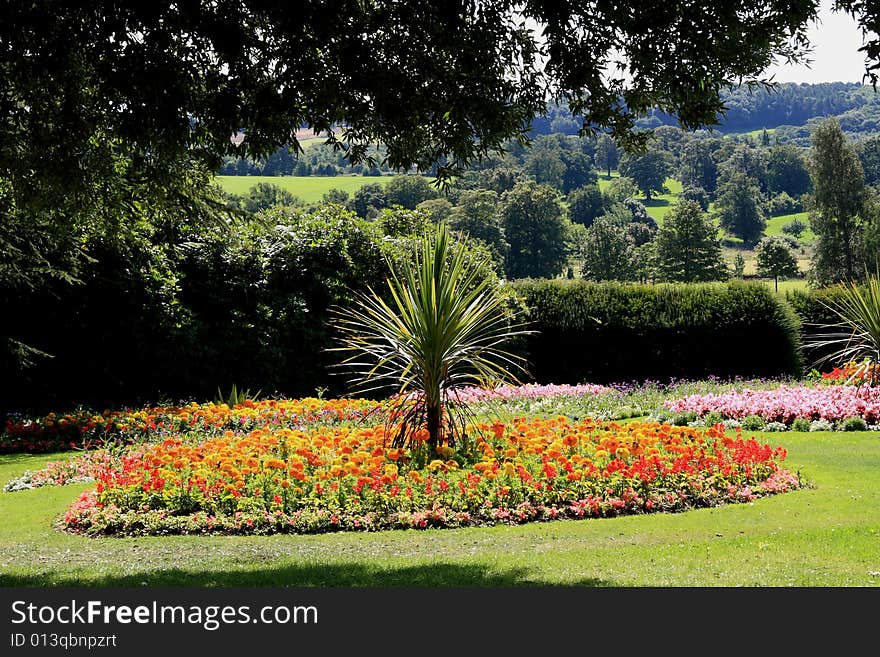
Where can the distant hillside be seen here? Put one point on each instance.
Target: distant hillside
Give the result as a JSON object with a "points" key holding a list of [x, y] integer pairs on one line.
{"points": [[789, 108]]}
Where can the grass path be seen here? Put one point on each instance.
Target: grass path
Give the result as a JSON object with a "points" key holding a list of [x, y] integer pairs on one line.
{"points": [[824, 536]]}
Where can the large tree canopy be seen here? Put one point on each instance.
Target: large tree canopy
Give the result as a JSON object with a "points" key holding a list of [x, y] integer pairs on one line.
{"points": [[439, 82]]}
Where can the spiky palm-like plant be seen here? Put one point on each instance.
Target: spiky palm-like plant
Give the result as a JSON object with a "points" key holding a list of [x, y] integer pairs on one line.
{"points": [[443, 329], [855, 338]]}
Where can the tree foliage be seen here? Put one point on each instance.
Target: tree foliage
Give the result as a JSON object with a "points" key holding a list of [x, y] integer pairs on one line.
{"points": [[839, 195], [585, 204], [536, 230], [649, 171], [687, 249], [739, 209], [607, 251], [607, 156], [436, 83], [775, 259]]}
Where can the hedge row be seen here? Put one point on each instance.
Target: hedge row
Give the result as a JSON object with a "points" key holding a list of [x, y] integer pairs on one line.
{"points": [[607, 332], [253, 312]]}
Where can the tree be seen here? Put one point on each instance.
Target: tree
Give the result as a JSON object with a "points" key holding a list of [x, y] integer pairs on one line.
{"points": [[649, 171], [739, 265], [697, 194], [622, 188], [746, 159], [409, 191], [368, 200], [335, 195], [795, 228], [839, 193], [607, 252], [869, 156], [607, 157], [787, 171], [561, 162], [696, 167], [536, 231], [263, 196], [687, 249], [438, 209], [442, 331], [585, 204], [476, 215], [775, 258], [739, 208], [174, 78]]}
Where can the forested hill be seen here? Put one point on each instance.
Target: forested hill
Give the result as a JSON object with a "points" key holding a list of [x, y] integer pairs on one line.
{"points": [[789, 107]]}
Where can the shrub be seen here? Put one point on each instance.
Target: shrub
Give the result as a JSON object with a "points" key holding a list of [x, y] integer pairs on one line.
{"points": [[712, 417], [684, 419], [753, 423], [853, 424], [800, 424], [821, 425], [782, 204], [794, 228], [775, 426], [605, 332]]}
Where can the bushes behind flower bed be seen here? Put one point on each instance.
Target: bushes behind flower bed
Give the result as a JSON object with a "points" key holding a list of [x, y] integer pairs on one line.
{"points": [[605, 332]]}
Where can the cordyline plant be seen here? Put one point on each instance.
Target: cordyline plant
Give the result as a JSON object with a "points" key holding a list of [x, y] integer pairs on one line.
{"points": [[856, 336], [443, 329]]}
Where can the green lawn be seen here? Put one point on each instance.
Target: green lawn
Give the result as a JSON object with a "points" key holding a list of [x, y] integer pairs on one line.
{"points": [[775, 224], [827, 535], [309, 188], [662, 203], [659, 205]]}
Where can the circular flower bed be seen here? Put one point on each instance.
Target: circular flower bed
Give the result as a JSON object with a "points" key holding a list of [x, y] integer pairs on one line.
{"points": [[346, 478]]}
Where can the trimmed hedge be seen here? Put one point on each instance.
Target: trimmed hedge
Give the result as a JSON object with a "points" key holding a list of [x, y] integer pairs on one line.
{"points": [[609, 332], [811, 306]]}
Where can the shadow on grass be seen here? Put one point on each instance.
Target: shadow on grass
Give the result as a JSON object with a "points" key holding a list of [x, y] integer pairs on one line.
{"points": [[656, 203], [323, 575], [20, 457]]}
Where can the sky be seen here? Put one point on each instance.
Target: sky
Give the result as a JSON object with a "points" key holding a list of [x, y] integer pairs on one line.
{"points": [[836, 40]]}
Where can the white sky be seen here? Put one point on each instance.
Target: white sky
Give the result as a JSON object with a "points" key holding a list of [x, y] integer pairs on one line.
{"points": [[836, 40]]}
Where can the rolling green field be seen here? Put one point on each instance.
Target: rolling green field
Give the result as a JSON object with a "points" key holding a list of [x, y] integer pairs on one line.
{"points": [[824, 536], [660, 204], [308, 188], [775, 224]]}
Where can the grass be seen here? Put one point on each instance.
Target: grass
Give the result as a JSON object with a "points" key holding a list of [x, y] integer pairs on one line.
{"points": [[775, 224], [308, 188], [660, 203], [822, 536]]}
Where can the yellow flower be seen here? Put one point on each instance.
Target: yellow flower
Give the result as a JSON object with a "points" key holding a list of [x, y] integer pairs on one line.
{"points": [[509, 469], [390, 469]]}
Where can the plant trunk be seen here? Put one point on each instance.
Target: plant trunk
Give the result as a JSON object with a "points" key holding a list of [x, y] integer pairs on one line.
{"points": [[433, 422]]}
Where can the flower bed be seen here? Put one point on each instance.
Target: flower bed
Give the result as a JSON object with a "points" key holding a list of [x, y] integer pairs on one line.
{"points": [[56, 432], [83, 429], [786, 404], [345, 478], [530, 391]]}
